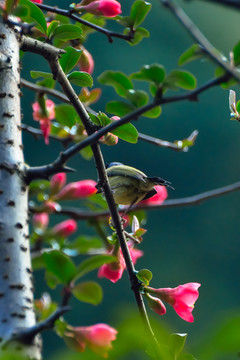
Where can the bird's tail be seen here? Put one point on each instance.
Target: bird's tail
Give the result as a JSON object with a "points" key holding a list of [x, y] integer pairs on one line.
{"points": [[159, 181]]}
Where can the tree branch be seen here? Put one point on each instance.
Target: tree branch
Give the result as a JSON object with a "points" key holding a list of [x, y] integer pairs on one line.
{"points": [[26, 336], [69, 14], [200, 38], [230, 3]]}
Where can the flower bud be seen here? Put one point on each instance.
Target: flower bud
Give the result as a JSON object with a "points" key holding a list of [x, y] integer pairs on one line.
{"points": [[65, 228], [40, 220], [108, 8], [77, 190], [57, 182], [86, 62]]}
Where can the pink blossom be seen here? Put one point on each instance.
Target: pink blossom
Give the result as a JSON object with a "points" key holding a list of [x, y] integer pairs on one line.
{"points": [[77, 190], [40, 220], [113, 271], [50, 206], [108, 8], [57, 182], [158, 198], [182, 298], [37, 1], [109, 139], [44, 119], [97, 337], [86, 62], [65, 228]]}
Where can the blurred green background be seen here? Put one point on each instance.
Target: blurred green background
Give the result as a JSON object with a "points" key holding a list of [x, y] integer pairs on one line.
{"points": [[189, 244]]}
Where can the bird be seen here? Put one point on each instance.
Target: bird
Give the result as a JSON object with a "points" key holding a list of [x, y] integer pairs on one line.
{"points": [[130, 185]]}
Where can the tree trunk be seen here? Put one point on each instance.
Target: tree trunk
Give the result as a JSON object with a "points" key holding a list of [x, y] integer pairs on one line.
{"points": [[16, 285]]}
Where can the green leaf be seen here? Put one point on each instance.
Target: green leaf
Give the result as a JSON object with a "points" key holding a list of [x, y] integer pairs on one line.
{"points": [[219, 72], [93, 263], [177, 342], [67, 32], [154, 73], [145, 276], [9, 5], [36, 74], [34, 15], [60, 266], [20, 11], [182, 79], [51, 280], [69, 59], [153, 113], [89, 292], [236, 54], [139, 34], [193, 53], [104, 120], [137, 97], [81, 78], [119, 108], [125, 21], [127, 132], [83, 244], [139, 11], [51, 27], [118, 80], [238, 106], [66, 114]]}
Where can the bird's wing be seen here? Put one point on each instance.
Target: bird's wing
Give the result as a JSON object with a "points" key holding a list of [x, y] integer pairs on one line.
{"points": [[118, 170]]}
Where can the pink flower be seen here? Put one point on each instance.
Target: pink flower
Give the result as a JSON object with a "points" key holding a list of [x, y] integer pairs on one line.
{"points": [[77, 190], [108, 8], [158, 198], [113, 271], [40, 220], [182, 298], [97, 337], [57, 182], [37, 1], [86, 62], [65, 228], [44, 119]]}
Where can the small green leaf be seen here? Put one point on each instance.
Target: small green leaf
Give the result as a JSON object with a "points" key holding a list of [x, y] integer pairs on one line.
{"points": [[238, 106], [89, 292], [60, 266], [51, 27], [103, 119], [93, 263], [126, 21], [34, 15], [127, 132], [81, 78], [137, 97], [139, 11], [83, 244], [219, 72], [154, 73], [67, 32], [139, 34], [236, 54], [182, 79], [66, 114], [69, 59], [51, 280], [153, 113], [193, 53], [177, 342], [145, 276], [119, 108], [36, 74], [118, 80]]}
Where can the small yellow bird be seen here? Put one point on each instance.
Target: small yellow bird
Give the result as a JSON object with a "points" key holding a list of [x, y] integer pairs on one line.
{"points": [[130, 185]]}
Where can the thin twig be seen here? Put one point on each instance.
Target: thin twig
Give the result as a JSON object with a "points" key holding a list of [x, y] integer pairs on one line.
{"points": [[186, 201], [70, 15], [230, 3], [200, 38]]}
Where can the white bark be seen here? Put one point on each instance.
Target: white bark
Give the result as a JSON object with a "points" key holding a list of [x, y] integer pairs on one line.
{"points": [[16, 287]]}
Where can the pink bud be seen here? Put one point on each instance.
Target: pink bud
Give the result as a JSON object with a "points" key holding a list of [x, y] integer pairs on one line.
{"points": [[37, 1], [108, 8], [45, 120], [57, 182], [40, 220], [97, 337], [86, 62], [50, 207], [65, 228], [155, 304], [77, 190], [109, 139]]}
